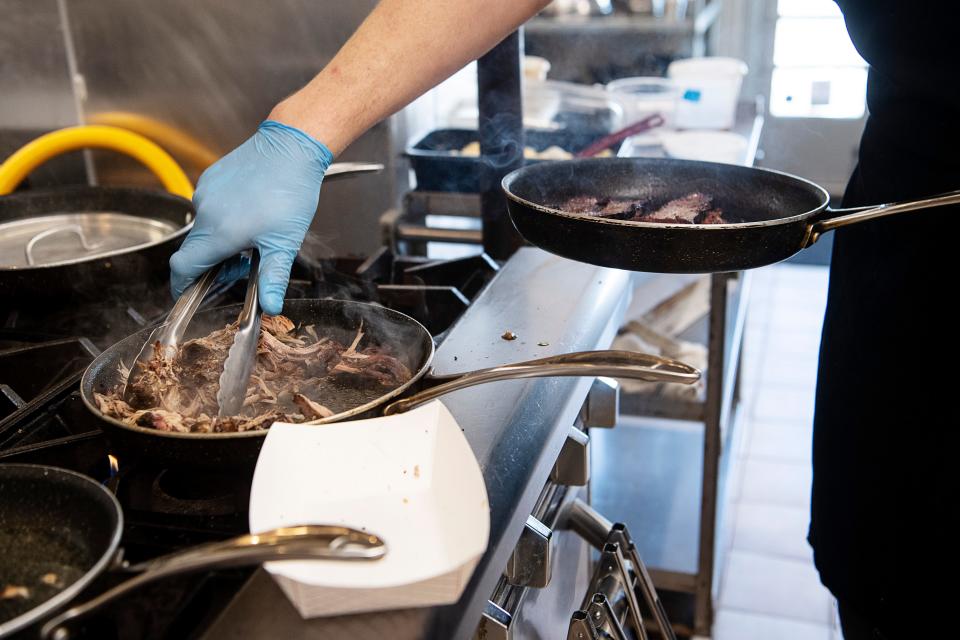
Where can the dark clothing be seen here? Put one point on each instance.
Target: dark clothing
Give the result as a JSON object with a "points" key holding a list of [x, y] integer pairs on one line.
{"points": [[856, 627], [885, 453]]}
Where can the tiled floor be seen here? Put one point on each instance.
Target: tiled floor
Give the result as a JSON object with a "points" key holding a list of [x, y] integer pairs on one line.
{"points": [[770, 587]]}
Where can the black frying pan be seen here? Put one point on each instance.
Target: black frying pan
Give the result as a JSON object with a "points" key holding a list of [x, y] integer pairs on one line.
{"points": [[774, 215], [339, 319], [59, 530], [53, 523]]}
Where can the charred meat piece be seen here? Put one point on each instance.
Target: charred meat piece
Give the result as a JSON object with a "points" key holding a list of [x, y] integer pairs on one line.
{"points": [[683, 210], [714, 216], [693, 208], [293, 368], [620, 209], [580, 204]]}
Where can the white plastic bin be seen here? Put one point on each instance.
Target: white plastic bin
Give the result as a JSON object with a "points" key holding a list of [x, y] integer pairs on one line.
{"points": [[708, 91]]}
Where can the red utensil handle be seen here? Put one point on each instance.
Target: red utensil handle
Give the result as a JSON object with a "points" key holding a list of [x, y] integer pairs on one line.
{"points": [[650, 122]]}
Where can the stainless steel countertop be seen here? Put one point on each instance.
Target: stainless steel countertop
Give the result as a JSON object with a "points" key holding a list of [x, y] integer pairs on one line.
{"points": [[516, 429]]}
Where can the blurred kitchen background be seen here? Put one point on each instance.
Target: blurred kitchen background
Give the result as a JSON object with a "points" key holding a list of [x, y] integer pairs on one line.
{"points": [[781, 87], [199, 75]]}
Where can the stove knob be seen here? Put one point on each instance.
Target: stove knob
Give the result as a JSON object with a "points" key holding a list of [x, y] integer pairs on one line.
{"points": [[602, 407], [572, 467], [529, 564], [494, 624]]}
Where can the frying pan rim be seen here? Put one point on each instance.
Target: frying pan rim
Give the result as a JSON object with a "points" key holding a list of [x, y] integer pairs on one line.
{"points": [[260, 433], [77, 189], [507, 181], [52, 604]]}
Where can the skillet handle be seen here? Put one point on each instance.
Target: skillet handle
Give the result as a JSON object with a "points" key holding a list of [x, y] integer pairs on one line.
{"points": [[842, 217], [306, 542], [616, 364]]}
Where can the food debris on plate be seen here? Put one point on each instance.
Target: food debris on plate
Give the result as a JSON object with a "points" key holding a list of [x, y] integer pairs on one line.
{"points": [[298, 376], [693, 208]]}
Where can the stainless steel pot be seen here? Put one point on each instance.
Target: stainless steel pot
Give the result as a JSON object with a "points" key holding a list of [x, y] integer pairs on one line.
{"points": [[84, 242], [79, 242]]}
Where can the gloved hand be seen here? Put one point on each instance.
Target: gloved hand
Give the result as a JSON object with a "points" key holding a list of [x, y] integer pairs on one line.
{"points": [[262, 194]]}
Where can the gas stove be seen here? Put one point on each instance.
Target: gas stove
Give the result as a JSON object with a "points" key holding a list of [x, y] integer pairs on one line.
{"points": [[44, 351], [529, 436]]}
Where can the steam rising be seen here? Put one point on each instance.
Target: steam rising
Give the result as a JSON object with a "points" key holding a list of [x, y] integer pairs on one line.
{"points": [[511, 151]]}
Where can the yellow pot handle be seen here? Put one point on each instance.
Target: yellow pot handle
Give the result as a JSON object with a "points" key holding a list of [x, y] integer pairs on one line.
{"points": [[35, 153]]}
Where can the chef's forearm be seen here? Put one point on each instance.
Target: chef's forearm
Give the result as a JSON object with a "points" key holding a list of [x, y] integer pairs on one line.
{"points": [[401, 50]]}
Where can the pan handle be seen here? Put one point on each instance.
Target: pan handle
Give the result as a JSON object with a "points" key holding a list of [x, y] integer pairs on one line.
{"points": [[306, 542], [836, 218], [618, 364]]}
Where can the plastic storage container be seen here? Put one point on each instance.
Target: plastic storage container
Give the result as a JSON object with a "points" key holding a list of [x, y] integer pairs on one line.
{"points": [[708, 91], [642, 97]]}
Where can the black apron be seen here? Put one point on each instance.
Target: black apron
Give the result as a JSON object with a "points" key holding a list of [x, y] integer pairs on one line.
{"points": [[885, 454]]}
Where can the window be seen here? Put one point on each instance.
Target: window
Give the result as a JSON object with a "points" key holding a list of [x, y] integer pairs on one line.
{"points": [[817, 73]]}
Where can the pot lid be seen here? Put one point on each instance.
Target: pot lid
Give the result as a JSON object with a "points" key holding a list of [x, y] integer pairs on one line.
{"points": [[64, 238]]}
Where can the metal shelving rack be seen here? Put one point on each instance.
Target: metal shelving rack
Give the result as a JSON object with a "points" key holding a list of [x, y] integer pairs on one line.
{"points": [[619, 38], [717, 410]]}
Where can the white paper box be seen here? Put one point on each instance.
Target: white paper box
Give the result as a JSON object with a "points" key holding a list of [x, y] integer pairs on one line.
{"points": [[411, 479]]}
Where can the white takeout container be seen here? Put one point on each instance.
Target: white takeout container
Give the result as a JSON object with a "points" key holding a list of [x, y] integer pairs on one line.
{"points": [[708, 91], [410, 478]]}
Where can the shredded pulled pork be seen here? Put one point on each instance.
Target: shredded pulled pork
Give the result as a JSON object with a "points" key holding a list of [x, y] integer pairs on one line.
{"points": [[298, 376]]}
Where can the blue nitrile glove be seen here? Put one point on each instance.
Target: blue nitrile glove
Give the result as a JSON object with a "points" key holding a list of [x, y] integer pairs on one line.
{"points": [[262, 194]]}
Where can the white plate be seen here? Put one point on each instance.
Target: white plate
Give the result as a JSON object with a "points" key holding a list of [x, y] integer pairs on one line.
{"points": [[411, 479], [713, 146]]}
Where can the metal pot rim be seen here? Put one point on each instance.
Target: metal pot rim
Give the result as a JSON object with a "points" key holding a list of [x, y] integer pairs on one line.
{"points": [[179, 233]]}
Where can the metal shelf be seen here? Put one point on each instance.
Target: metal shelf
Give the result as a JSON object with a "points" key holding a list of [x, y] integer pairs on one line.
{"points": [[692, 567], [672, 37], [655, 405], [696, 24], [610, 25]]}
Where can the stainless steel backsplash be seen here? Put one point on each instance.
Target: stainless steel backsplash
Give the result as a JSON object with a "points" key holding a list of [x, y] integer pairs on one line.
{"points": [[211, 68]]}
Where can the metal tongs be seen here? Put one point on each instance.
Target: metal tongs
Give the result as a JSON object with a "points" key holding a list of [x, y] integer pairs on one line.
{"points": [[239, 363], [240, 358]]}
